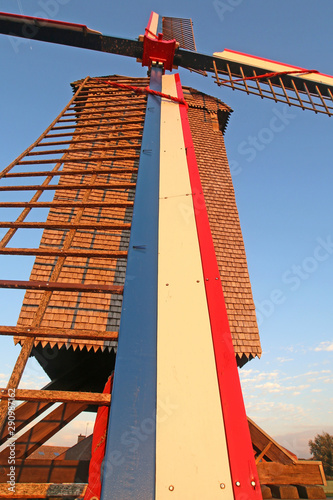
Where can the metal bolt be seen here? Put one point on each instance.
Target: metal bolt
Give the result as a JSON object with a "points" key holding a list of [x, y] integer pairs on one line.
{"points": [[222, 486], [238, 483], [253, 483], [171, 488]]}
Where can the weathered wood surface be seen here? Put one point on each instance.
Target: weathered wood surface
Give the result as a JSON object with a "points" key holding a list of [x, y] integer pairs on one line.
{"points": [[311, 492], [59, 396], [46, 471], [62, 333], [34, 490], [308, 473], [266, 492], [286, 491], [273, 451]]}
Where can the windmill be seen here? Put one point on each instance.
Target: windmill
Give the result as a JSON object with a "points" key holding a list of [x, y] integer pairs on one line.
{"points": [[288, 84]]}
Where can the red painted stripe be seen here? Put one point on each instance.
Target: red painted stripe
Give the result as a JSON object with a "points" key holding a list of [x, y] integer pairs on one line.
{"points": [[46, 22], [240, 451]]}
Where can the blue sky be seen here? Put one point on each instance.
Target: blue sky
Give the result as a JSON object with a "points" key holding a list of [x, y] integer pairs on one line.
{"points": [[283, 187]]}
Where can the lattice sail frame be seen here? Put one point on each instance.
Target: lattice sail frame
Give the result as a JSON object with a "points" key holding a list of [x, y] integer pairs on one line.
{"points": [[295, 86]]}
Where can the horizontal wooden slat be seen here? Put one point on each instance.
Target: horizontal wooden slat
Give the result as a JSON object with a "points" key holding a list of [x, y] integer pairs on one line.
{"points": [[45, 490], [57, 396], [63, 333], [65, 204], [299, 473], [56, 187], [138, 128], [84, 159], [91, 171], [94, 140], [85, 149], [101, 120], [98, 226], [58, 286], [65, 253]]}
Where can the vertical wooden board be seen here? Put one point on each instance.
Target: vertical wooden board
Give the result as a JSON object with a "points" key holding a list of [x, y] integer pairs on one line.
{"points": [[240, 452], [153, 24], [191, 452], [129, 465]]}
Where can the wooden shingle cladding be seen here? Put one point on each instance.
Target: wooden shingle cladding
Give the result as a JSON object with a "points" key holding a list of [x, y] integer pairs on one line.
{"points": [[107, 139], [103, 111]]}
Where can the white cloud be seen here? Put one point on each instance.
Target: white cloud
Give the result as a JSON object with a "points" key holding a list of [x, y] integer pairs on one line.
{"points": [[284, 360], [325, 346]]}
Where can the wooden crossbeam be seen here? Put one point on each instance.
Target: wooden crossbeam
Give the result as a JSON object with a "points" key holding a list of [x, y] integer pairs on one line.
{"points": [[67, 225], [65, 204], [80, 149], [89, 398], [65, 253], [46, 173], [59, 286], [264, 451], [62, 333], [78, 187]]}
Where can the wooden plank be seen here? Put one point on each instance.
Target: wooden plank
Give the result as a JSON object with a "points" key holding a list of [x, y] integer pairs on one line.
{"points": [[300, 473], [62, 333], [92, 149], [47, 173], [109, 254], [57, 396], [65, 204], [31, 491], [98, 226], [44, 430], [72, 187], [46, 471], [59, 286]]}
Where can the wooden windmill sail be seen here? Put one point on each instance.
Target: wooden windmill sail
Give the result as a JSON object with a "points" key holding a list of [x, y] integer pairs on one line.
{"points": [[142, 253]]}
